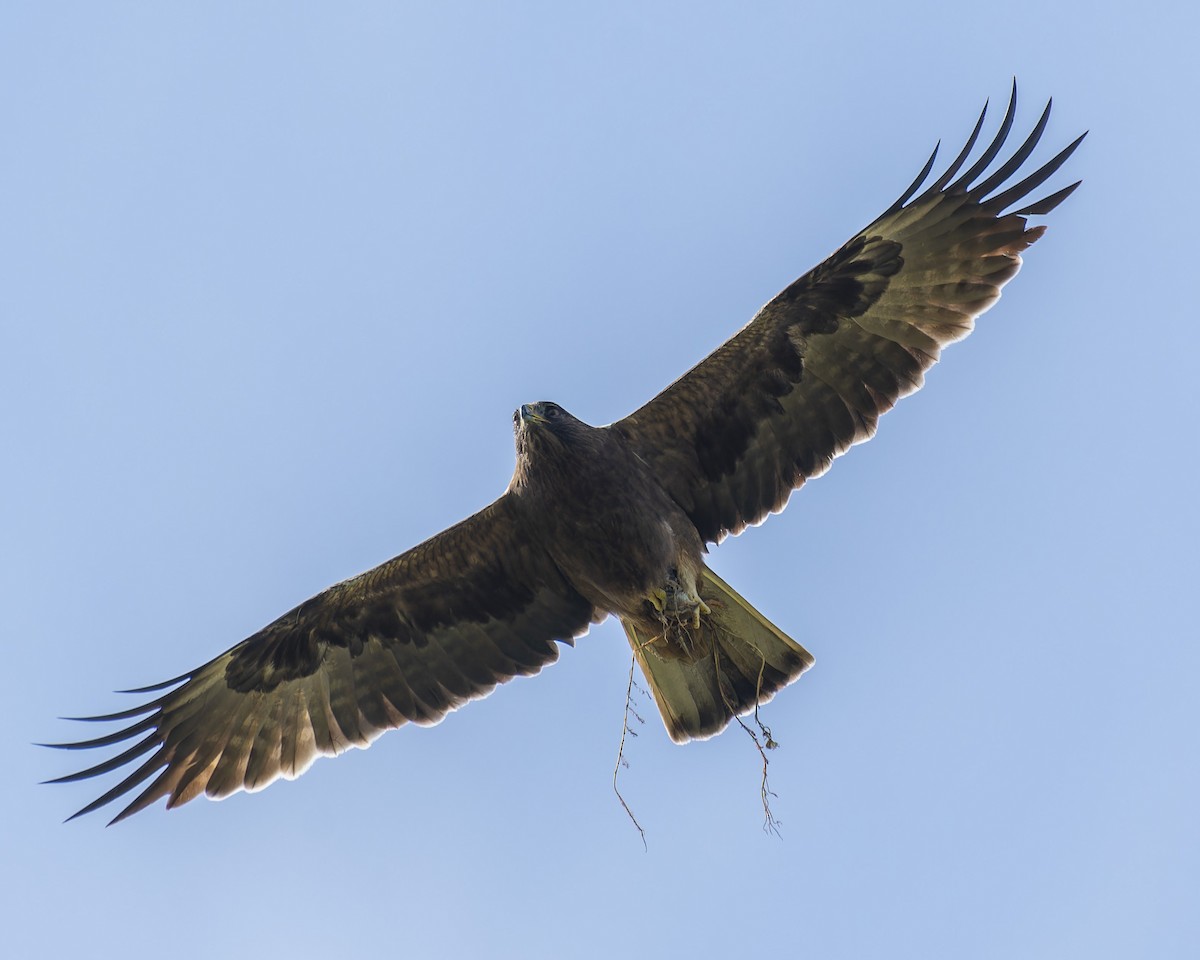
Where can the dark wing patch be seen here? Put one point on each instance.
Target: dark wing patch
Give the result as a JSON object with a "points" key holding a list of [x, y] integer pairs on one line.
{"points": [[812, 373], [410, 640]]}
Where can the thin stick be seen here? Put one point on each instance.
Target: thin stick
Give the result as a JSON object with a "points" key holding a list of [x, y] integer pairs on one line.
{"points": [[770, 824], [621, 761]]}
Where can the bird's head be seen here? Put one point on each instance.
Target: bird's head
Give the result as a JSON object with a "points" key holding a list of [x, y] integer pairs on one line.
{"points": [[543, 418], [540, 414], [546, 426]]}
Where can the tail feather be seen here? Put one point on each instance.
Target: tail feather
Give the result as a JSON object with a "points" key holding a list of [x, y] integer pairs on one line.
{"points": [[738, 660]]}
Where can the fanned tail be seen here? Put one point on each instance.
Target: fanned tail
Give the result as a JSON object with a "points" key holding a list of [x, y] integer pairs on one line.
{"points": [[738, 659]]}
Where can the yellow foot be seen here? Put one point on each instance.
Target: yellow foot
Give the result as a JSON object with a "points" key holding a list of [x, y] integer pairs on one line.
{"points": [[658, 599], [701, 608]]}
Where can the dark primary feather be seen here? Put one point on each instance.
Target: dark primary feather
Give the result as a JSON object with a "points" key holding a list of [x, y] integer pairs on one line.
{"points": [[815, 369], [410, 640]]}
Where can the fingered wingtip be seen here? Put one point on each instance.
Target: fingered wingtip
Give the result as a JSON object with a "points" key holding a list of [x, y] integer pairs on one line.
{"points": [[967, 181], [916, 184], [163, 685], [1047, 204]]}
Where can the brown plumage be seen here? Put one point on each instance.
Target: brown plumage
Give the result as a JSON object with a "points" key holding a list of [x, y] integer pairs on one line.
{"points": [[600, 520]]}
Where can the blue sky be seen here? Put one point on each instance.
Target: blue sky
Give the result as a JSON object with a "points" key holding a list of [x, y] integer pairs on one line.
{"points": [[276, 277]]}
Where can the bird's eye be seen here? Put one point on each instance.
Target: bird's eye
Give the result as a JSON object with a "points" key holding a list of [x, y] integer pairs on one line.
{"points": [[551, 411]]}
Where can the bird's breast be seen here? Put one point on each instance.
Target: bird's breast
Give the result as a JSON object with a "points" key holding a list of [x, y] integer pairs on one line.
{"points": [[616, 540]]}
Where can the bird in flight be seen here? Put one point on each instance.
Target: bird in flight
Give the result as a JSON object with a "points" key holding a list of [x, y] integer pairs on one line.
{"points": [[610, 520]]}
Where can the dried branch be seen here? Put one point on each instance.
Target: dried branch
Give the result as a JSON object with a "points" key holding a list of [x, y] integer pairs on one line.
{"points": [[768, 742], [626, 730]]}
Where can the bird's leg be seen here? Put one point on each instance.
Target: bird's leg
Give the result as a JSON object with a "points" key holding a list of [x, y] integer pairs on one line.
{"points": [[681, 601], [698, 607]]}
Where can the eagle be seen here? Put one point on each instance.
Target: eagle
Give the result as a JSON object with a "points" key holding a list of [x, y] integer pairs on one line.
{"points": [[610, 520]]}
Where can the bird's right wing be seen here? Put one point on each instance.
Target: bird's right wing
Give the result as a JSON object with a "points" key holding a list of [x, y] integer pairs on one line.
{"points": [[410, 640]]}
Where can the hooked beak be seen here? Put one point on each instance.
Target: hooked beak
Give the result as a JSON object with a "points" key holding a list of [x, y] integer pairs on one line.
{"points": [[529, 415]]}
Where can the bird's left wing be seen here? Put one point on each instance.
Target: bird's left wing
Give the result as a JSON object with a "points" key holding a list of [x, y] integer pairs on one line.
{"points": [[410, 640], [811, 374]]}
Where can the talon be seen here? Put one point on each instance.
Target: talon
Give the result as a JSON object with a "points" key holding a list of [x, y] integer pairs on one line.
{"points": [[701, 607], [658, 599]]}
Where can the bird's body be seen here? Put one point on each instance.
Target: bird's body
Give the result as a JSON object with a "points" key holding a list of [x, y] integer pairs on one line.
{"points": [[585, 488], [593, 502], [610, 520]]}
